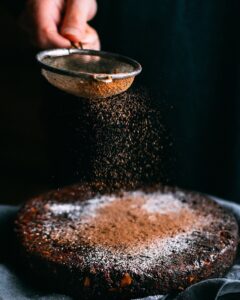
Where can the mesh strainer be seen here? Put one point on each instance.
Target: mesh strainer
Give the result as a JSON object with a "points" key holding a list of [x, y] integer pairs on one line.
{"points": [[88, 73]]}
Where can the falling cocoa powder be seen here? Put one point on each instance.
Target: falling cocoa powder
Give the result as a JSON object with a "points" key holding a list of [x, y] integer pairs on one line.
{"points": [[125, 140]]}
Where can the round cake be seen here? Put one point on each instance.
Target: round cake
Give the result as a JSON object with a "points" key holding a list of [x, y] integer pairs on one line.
{"points": [[90, 243]]}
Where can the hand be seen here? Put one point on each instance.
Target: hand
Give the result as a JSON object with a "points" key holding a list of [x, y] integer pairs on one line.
{"points": [[57, 23]]}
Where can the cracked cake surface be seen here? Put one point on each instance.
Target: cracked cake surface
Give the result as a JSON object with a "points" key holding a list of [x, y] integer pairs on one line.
{"points": [[90, 242]]}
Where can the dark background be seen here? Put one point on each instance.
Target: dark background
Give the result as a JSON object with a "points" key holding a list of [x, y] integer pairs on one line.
{"points": [[23, 156], [190, 54]]}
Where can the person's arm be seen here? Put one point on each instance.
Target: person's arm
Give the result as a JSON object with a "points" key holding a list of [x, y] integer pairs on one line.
{"points": [[56, 23]]}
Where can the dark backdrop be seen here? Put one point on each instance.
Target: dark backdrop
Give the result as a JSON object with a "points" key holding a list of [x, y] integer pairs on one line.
{"points": [[23, 158], [191, 60]]}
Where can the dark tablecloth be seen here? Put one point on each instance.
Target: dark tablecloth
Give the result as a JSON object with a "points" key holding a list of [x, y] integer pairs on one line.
{"points": [[14, 284]]}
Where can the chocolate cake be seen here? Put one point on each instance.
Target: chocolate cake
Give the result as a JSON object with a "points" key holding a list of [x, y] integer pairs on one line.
{"points": [[93, 244]]}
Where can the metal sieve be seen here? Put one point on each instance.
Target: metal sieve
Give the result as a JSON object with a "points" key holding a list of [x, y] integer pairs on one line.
{"points": [[88, 73]]}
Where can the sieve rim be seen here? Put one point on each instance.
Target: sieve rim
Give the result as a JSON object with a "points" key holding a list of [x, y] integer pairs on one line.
{"points": [[65, 51]]}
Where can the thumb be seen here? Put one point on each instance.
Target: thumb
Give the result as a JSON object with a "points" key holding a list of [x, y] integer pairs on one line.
{"points": [[75, 19]]}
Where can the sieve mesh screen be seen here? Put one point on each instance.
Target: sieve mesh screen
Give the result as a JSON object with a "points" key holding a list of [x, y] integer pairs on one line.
{"points": [[94, 64]]}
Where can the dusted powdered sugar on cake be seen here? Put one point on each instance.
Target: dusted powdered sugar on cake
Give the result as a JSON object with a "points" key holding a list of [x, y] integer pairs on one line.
{"points": [[151, 203], [80, 211], [163, 203], [144, 258], [132, 228]]}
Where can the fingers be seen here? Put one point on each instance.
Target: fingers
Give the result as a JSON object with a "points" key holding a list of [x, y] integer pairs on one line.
{"points": [[43, 18], [50, 38], [41, 23], [90, 39], [78, 12], [48, 16]]}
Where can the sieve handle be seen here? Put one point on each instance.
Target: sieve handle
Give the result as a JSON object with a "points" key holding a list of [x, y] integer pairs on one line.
{"points": [[103, 78]]}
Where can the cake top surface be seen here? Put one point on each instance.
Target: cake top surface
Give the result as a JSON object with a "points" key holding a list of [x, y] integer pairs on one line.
{"points": [[127, 221], [134, 230]]}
